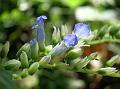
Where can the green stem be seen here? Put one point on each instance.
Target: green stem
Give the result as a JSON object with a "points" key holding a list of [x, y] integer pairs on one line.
{"points": [[104, 41]]}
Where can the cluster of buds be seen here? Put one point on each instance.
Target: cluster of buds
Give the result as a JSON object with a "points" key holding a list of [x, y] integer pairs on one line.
{"points": [[65, 54]]}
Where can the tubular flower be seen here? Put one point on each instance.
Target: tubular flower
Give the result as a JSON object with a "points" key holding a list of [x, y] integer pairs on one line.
{"points": [[40, 29]]}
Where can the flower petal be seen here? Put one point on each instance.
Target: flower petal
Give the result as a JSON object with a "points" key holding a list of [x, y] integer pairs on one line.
{"points": [[40, 20], [81, 30], [70, 40]]}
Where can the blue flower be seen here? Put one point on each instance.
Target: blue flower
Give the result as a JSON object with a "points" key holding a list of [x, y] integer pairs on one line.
{"points": [[70, 40], [40, 20], [40, 29], [33, 42], [58, 49], [81, 30]]}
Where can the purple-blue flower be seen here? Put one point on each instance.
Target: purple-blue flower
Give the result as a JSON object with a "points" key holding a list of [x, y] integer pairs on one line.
{"points": [[40, 29], [33, 42], [81, 30], [70, 40], [40, 20]]}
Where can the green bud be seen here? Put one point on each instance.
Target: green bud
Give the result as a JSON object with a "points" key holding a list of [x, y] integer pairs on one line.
{"points": [[24, 60], [5, 49], [56, 35], [24, 73], [74, 53], [48, 48], [12, 64], [35, 51], [107, 71], [33, 68], [64, 30], [45, 60], [25, 47], [83, 62], [112, 61], [16, 77]]}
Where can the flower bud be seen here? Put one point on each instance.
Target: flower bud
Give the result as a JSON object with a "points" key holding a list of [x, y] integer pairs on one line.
{"points": [[112, 61], [48, 48], [24, 73], [56, 35], [33, 68], [25, 47], [5, 49], [34, 49], [12, 64], [83, 62], [24, 60], [40, 31], [64, 30], [74, 53], [16, 77], [107, 71], [58, 52], [45, 60], [58, 49]]}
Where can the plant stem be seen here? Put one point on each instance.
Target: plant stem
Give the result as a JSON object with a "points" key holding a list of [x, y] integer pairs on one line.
{"points": [[104, 41]]}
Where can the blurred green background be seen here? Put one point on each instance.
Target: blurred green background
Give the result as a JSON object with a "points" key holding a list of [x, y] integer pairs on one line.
{"points": [[17, 18]]}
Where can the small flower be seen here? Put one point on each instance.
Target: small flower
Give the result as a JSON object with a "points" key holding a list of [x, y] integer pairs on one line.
{"points": [[58, 49], [70, 40], [40, 29], [81, 30]]}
